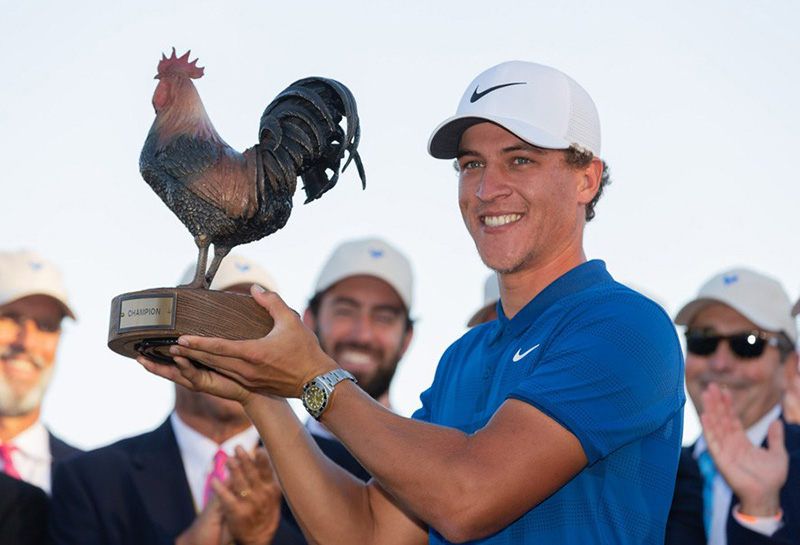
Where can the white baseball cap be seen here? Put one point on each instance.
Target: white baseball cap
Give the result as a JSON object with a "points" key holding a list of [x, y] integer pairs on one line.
{"points": [[491, 295], [371, 257], [759, 298], [540, 105], [235, 269], [26, 273]]}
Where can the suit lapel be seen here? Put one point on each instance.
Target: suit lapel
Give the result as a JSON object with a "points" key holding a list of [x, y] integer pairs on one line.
{"points": [[161, 481]]}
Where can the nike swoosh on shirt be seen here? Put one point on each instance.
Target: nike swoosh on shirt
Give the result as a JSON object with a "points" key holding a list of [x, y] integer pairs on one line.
{"points": [[479, 95], [518, 356]]}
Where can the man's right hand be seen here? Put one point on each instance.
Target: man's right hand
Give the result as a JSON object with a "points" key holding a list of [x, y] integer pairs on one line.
{"points": [[279, 363], [207, 527], [756, 475]]}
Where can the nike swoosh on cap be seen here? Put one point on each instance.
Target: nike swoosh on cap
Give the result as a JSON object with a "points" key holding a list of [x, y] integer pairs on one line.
{"points": [[518, 356], [479, 95]]}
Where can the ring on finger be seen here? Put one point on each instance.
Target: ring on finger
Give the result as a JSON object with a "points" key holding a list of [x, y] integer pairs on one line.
{"points": [[244, 493]]}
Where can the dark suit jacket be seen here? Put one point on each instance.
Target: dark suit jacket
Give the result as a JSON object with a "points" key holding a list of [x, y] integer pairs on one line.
{"points": [[132, 492], [685, 522], [23, 511], [60, 450]]}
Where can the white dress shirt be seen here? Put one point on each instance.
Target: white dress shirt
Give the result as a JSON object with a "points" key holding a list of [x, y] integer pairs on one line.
{"points": [[757, 433], [32, 459], [197, 453]]}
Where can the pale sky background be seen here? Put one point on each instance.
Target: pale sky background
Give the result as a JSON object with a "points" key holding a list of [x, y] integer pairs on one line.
{"points": [[701, 127]]}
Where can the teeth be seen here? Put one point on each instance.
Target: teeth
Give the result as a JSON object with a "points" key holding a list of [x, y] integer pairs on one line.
{"points": [[497, 221], [21, 365], [358, 358]]}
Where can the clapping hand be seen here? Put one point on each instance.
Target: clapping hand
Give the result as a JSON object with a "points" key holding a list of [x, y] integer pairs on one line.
{"points": [[756, 475], [250, 499]]}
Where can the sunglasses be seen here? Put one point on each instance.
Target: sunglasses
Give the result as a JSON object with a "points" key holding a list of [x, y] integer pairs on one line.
{"points": [[747, 345], [19, 320]]}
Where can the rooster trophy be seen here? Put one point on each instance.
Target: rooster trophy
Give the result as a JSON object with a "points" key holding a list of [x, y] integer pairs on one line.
{"points": [[227, 198]]}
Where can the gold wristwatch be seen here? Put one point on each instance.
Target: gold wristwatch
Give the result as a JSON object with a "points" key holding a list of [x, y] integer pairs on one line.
{"points": [[317, 393]]}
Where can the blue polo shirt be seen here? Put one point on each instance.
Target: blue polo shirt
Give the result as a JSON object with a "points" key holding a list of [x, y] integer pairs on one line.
{"points": [[605, 363]]}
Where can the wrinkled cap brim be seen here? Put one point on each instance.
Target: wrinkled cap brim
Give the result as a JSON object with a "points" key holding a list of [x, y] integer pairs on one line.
{"points": [[445, 139]]}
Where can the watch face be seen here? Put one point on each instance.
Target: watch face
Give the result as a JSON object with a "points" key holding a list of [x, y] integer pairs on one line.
{"points": [[314, 398]]}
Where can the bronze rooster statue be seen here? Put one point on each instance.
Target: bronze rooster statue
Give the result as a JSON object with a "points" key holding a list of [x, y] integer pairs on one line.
{"points": [[227, 198]]}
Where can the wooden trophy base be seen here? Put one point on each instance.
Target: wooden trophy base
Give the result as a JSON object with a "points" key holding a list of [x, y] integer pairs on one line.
{"points": [[148, 322]]}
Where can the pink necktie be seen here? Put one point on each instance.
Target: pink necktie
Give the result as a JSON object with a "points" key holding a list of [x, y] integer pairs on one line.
{"points": [[217, 473], [8, 464]]}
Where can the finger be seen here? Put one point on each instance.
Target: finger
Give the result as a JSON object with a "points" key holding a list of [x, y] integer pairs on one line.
{"points": [[273, 303], [247, 466], [190, 371], [231, 358], [711, 404], [168, 372], [726, 398], [237, 481], [202, 379], [213, 503], [226, 497], [775, 435], [709, 432]]}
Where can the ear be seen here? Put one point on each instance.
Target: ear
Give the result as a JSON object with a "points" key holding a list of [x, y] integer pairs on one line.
{"points": [[791, 373], [589, 182], [309, 319], [407, 340]]}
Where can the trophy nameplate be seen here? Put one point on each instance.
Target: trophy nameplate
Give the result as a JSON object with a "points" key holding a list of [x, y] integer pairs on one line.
{"points": [[148, 322]]}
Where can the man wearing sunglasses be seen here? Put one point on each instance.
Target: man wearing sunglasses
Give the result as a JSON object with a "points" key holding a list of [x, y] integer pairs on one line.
{"points": [[33, 303], [740, 482]]}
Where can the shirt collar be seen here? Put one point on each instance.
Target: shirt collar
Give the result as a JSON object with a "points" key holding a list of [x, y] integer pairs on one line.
{"points": [[34, 443], [573, 281], [197, 450]]}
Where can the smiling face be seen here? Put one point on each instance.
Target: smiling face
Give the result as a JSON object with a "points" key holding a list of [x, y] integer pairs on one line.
{"points": [[30, 329], [361, 324], [755, 384], [523, 205]]}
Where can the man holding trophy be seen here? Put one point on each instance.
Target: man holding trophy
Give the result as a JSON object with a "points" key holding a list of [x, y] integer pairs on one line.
{"points": [[534, 420]]}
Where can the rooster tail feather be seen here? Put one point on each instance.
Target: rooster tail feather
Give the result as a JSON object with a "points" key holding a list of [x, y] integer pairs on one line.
{"points": [[300, 135], [278, 173], [359, 167]]}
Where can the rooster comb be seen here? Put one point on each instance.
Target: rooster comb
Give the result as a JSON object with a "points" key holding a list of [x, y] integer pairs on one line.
{"points": [[173, 64]]}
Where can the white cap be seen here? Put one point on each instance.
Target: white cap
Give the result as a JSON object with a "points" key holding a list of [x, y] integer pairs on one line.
{"points": [[25, 273], [235, 269], [491, 295], [371, 257], [759, 298], [539, 104]]}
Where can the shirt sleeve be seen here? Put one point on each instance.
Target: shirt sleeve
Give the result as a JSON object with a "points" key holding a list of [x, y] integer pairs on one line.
{"points": [[427, 397], [762, 525], [611, 374]]}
